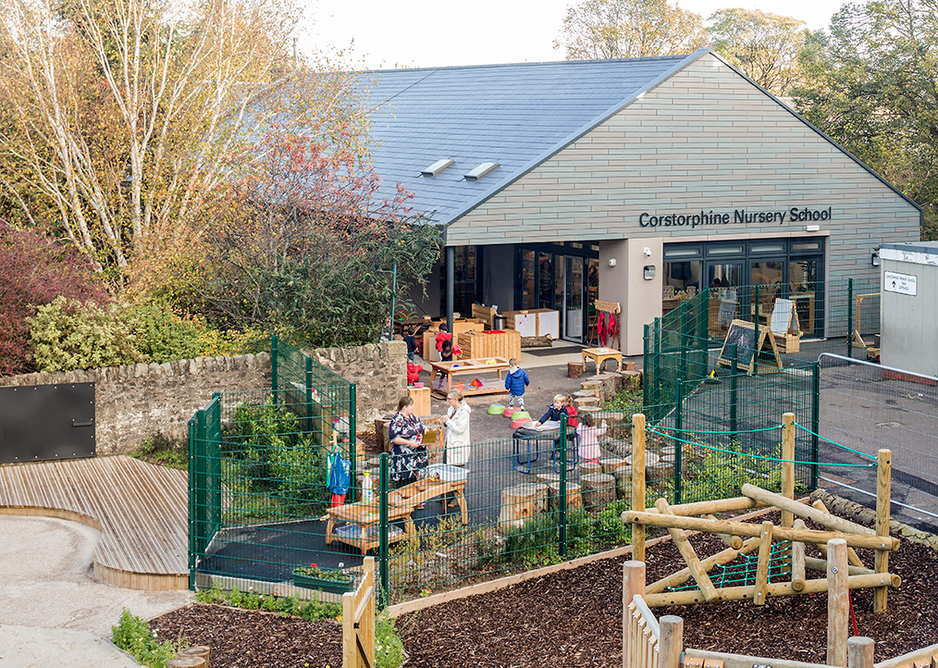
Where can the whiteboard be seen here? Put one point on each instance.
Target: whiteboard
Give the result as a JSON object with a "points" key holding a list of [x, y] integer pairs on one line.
{"points": [[781, 316]]}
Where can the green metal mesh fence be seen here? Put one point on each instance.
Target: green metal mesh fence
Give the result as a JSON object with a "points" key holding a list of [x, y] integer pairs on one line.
{"points": [[259, 474]]}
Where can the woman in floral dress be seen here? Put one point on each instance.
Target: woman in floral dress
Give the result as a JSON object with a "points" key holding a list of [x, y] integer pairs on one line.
{"points": [[408, 453]]}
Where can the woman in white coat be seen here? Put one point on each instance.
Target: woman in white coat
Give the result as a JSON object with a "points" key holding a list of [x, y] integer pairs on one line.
{"points": [[456, 424]]}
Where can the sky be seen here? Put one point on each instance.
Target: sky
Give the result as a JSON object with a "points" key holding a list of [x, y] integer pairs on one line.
{"points": [[427, 33]]}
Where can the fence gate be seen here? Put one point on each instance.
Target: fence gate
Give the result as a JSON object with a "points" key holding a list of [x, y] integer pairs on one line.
{"points": [[358, 621], [42, 422]]}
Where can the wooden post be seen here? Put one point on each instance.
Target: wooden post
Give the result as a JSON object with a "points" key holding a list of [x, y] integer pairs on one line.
{"points": [[797, 560], [734, 542], [852, 557], [788, 465], [638, 484], [690, 556], [761, 589], [670, 641], [633, 582], [860, 652], [198, 650], [883, 494], [838, 603]]}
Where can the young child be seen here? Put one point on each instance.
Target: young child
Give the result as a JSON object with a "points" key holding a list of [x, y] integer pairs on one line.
{"points": [[411, 341], [588, 434], [442, 337], [515, 382], [571, 411], [554, 411]]}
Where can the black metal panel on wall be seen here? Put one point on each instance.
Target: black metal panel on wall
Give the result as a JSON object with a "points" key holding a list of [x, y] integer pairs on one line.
{"points": [[42, 422]]}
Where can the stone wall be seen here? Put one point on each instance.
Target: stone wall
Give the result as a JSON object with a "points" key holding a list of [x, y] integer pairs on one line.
{"points": [[138, 401]]}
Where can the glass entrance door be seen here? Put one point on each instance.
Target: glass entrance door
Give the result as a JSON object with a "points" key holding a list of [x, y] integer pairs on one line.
{"points": [[724, 280], [803, 284], [573, 299]]}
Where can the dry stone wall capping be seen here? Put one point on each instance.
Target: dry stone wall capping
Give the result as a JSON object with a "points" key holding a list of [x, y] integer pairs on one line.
{"points": [[137, 401]]}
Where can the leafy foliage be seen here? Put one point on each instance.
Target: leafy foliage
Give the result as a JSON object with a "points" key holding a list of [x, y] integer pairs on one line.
{"points": [[33, 272], [766, 47], [292, 606], [389, 648], [70, 334], [134, 635], [162, 450], [871, 85], [629, 29], [273, 467], [302, 246]]}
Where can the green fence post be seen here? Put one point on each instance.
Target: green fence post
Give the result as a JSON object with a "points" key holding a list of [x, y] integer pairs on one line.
{"points": [[656, 365], [383, 530], [815, 421], [755, 342], [352, 438], [684, 339], [646, 368], [850, 318], [734, 369], [274, 365], [679, 424], [563, 485], [308, 398], [192, 456]]}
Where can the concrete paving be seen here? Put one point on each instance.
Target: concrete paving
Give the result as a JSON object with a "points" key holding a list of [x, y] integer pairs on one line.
{"points": [[52, 610]]}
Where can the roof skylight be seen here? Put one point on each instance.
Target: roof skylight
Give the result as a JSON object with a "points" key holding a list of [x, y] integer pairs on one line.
{"points": [[438, 167], [480, 171]]}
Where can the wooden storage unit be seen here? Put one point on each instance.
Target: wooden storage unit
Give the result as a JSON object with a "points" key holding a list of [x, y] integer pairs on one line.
{"points": [[430, 353], [421, 397], [788, 343], [535, 322], [476, 345]]}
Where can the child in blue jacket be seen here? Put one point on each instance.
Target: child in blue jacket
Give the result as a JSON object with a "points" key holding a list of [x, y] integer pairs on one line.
{"points": [[515, 382]]}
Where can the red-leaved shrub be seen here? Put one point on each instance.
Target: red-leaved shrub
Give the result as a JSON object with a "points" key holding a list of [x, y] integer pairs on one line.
{"points": [[34, 270]]}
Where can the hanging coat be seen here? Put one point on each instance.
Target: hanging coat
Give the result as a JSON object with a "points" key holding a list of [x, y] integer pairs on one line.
{"points": [[339, 472]]}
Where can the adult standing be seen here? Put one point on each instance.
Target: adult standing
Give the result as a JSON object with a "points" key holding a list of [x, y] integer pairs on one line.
{"points": [[456, 424], [408, 453]]}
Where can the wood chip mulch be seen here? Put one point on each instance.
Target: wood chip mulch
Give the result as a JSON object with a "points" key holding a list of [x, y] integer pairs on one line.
{"points": [[574, 617]]}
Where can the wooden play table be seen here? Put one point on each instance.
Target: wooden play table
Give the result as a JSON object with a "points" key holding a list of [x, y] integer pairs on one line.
{"points": [[600, 355], [474, 367], [401, 504]]}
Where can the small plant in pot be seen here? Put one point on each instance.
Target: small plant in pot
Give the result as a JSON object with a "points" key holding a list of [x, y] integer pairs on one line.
{"points": [[336, 580]]}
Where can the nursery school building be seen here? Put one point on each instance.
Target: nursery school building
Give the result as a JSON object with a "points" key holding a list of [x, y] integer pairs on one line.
{"points": [[636, 181]]}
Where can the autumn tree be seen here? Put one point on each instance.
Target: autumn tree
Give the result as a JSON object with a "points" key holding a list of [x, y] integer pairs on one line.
{"points": [[34, 271], [302, 244], [629, 29], [122, 117], [765, 47], [872, 85]]}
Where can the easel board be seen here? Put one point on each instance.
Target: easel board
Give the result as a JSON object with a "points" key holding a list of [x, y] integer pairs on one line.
{"points": [[749, 343], [741, 334], [784, 317]]}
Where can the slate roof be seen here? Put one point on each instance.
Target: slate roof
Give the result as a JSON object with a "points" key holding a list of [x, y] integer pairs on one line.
{"points": [[516, 115]]}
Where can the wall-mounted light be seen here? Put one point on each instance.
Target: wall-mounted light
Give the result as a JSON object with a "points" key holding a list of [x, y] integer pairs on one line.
{"points": [[649, 272], [812, 228], [612, 262], [647, 251], [875, 259]]}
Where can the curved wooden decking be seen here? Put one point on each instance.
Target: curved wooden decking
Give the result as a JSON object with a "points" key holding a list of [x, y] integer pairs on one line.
{"points": [[141, 510]]}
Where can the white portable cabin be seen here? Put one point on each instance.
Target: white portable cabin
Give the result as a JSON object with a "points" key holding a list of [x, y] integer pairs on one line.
{"points": [[909, 306]]}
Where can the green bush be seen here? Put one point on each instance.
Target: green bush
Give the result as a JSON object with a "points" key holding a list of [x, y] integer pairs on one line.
{"points": [[69, 334], [276, 459], [161, 335], [292, 606], [389, 648], [133, 635]]}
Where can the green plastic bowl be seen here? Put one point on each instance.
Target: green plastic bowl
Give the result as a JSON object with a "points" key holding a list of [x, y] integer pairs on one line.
{"points": [[496, 409], [520, 415]]}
